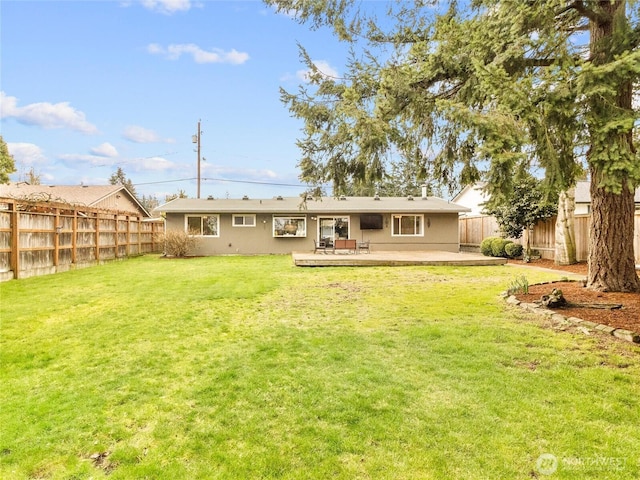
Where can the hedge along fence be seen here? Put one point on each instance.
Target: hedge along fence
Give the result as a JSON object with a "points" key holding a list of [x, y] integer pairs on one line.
{"points": [[38, 238], [542, 238]]}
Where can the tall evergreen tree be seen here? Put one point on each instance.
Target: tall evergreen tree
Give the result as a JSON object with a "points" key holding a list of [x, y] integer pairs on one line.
{"points": [[120, 178], [496, 88], [7, 163]]}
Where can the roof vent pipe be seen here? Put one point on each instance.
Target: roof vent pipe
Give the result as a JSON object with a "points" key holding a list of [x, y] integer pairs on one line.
{"points": [[424, 190]]}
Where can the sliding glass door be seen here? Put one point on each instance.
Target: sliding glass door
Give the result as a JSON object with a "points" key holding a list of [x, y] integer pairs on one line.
{"points": [[332, 228]]}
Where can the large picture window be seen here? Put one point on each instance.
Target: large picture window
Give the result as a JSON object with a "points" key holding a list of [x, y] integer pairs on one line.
{"points": [[407, 225], [204, 225], [289, 226]]}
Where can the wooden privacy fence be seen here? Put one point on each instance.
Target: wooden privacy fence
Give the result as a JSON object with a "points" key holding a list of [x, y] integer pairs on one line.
{"points": [[542, 238], [38, 238]]}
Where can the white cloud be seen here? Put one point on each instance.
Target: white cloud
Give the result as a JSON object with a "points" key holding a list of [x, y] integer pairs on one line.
{"points": [[199, 55], [167, 7], [27, 154], [73, 159], [232, 173], [46, 115], [105, 150], [155, 164], [323, 67], [138, 134]]}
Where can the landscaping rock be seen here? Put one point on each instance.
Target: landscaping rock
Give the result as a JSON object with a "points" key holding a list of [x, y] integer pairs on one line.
{"points": [[513, 300], [627, 335], [589, 324], [605, 328], [554, 300]]}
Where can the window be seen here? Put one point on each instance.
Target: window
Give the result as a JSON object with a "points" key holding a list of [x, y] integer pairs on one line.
{"points": [[409, 225], [205, 225], [244, 221], [289, 226]]}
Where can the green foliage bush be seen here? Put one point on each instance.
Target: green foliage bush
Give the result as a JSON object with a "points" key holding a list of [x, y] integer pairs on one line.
{"points": [[513, 250], [497, 247], [485, 246]]}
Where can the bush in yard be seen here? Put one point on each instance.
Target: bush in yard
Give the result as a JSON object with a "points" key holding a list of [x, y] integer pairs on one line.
{"points": [[485, 246], [497, 247], [513, 250], [177, 243]]}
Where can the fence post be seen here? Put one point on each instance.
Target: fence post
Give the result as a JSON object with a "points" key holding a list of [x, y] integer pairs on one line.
{"points": [[74, 238], [116, 218], [97, 230], [14, 260], [129, 242], [56, 237]]}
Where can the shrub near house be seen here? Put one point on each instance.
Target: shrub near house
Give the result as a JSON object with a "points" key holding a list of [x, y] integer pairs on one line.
{"points": [[500, 247]]}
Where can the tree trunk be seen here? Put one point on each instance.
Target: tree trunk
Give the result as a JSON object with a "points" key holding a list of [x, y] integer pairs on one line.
{"points": [[565, 229], [611, 259]]}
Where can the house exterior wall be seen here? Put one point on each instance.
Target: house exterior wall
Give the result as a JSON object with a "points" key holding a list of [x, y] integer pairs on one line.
{"points": [[472, 197], [440, 232]]}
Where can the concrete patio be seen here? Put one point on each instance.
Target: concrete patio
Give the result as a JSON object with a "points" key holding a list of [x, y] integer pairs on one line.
{"points": [[392, 258]]}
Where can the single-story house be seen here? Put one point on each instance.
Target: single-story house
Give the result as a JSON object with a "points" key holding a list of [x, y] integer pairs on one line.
{"points": [[282, 225], [107, 197]]}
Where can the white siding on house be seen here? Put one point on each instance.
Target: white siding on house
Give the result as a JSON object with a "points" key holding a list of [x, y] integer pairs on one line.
{"points": [[472, 197]]}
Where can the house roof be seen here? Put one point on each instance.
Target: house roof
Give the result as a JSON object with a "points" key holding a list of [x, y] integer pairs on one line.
{"points": [[583, 193], [296, 205], [84, 195]]}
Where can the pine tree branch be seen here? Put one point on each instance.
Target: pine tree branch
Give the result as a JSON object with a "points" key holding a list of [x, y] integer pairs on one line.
{"points": [[582, 9]]}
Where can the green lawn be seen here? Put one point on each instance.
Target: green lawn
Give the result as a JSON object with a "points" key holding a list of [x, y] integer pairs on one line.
{"points": [[248, 367]]}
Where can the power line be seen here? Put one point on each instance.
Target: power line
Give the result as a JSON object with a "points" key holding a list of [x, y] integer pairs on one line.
{"points": [[253, 182]]}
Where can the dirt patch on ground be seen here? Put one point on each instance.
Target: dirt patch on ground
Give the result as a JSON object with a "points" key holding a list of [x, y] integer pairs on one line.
{"points": [[626, 317]]}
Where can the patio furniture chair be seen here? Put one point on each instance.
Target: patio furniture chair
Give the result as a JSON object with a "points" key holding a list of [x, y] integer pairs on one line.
{"points": [[364, 246], [319, 245]]}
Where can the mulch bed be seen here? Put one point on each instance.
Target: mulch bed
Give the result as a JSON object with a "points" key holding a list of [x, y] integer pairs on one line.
{"points": [[626, 317]]}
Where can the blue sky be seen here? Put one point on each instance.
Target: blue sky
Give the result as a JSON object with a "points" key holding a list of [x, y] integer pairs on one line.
{"points": [[90, 86]]}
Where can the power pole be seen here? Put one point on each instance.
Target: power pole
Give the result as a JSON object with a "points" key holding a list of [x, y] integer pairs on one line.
{"points": [[196, 139]]}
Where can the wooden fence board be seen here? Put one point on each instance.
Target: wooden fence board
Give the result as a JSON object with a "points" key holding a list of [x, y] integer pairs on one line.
{"points": [[38, 238]]}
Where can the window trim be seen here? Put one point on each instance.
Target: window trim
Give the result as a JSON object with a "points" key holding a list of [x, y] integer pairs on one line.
{"points": [[243, 216], [400, 215], [202, 217], [284, 218]]}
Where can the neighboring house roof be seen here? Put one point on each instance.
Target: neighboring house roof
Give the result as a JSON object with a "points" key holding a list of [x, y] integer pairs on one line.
{"points": [[583, 193], [97, 196], [313, 206]]}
